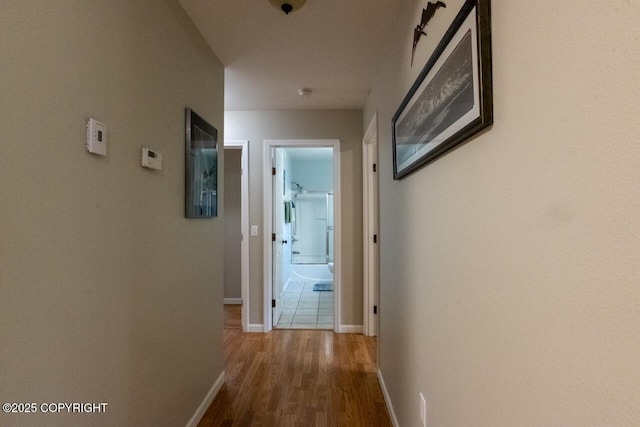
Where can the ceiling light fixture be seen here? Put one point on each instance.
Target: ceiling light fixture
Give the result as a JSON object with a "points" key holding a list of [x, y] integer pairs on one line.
{"points": [[287, 6], [305, 93]]}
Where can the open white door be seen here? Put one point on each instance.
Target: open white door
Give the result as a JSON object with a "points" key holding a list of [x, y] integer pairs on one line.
{"points": [[277, 223]]}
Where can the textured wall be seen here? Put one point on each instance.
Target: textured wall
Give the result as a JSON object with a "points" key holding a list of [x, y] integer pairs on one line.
{"points": [[257, 126], [510, 267], [108, 293]]}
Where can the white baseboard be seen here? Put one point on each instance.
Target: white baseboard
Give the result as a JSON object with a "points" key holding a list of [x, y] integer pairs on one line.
{"points": [[254, 327], [387, 400], [350, 329], [193, 422], [344, 329], [233, 301]]}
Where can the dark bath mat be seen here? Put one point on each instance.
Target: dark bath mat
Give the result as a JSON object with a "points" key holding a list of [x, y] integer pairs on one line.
{"points": [[323, 287]]}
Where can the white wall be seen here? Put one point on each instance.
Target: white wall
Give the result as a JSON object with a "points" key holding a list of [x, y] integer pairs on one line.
{"points": [[345, 125], [510, 267], [313, 174], [107, 293]]}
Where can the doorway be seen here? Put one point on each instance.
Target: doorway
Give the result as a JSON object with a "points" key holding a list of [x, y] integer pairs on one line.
{"points": [[237, 233], [302, 234]]}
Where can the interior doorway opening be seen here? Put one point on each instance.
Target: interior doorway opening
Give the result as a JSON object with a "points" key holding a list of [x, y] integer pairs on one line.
{"points": [[236, 207], [302, 234]]}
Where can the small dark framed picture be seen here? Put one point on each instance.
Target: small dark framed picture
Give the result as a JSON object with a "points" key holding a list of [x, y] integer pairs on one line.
{"points": [[451, 100], [201, 167]]}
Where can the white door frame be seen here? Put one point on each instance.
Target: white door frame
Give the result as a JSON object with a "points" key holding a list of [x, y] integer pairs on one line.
{"points": [[267, 206], [370, 228], [244, 226]]}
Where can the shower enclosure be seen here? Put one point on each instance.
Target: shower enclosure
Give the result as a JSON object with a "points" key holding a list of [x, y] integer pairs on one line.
{"points": [[312, 228]]}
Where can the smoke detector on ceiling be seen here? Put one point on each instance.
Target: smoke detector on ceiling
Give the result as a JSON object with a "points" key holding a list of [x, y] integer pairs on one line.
{"points": [[287, 6], [305, 93]]}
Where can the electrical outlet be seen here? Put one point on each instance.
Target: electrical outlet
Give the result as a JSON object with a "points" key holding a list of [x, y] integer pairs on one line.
{"points": [[423, 410]]}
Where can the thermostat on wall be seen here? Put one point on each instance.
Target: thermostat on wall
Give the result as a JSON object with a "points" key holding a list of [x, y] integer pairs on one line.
{"points": [[96, 137], [151, 159]]}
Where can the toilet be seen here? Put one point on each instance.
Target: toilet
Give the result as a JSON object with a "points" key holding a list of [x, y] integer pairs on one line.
{"points": [[330, 265]]}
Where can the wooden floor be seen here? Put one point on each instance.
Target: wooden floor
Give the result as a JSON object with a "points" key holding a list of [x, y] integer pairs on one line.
{"points": [[297, 378]]}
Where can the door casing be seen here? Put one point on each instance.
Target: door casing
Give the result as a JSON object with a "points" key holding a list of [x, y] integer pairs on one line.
{"points": [[370, 229], [269, 146]]}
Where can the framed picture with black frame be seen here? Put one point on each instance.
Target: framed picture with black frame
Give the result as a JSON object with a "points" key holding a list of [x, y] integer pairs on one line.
{"points": [[201, 167], [451, 100]]}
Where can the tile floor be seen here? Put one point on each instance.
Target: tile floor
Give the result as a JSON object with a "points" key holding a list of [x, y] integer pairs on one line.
{"points": [[304, 308]]}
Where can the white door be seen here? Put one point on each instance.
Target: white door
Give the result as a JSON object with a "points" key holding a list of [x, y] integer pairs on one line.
{"points": [[277, 190]]}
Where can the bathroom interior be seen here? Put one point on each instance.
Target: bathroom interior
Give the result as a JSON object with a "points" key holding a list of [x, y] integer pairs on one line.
{"points": [[307, 261]]}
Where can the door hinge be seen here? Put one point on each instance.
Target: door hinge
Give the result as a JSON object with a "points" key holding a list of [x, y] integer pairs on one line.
{"points": [[273, 237], [273, 303], [273, 171], [375, 309], [375, 167], [375, 238]]}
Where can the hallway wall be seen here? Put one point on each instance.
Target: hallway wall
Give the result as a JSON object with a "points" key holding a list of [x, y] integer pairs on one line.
{"points": [[510, 266], [107, 293], [345, 125]]}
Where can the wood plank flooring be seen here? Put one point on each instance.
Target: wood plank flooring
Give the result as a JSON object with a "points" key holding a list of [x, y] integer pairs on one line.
{"points": [[232, 316], [297, 378]]}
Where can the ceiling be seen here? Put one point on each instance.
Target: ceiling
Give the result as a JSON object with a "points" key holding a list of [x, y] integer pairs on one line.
{"points": [[328, 46]]}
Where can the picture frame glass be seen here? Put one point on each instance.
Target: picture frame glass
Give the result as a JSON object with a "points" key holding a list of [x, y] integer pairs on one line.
{"points": [[201, 166]]}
